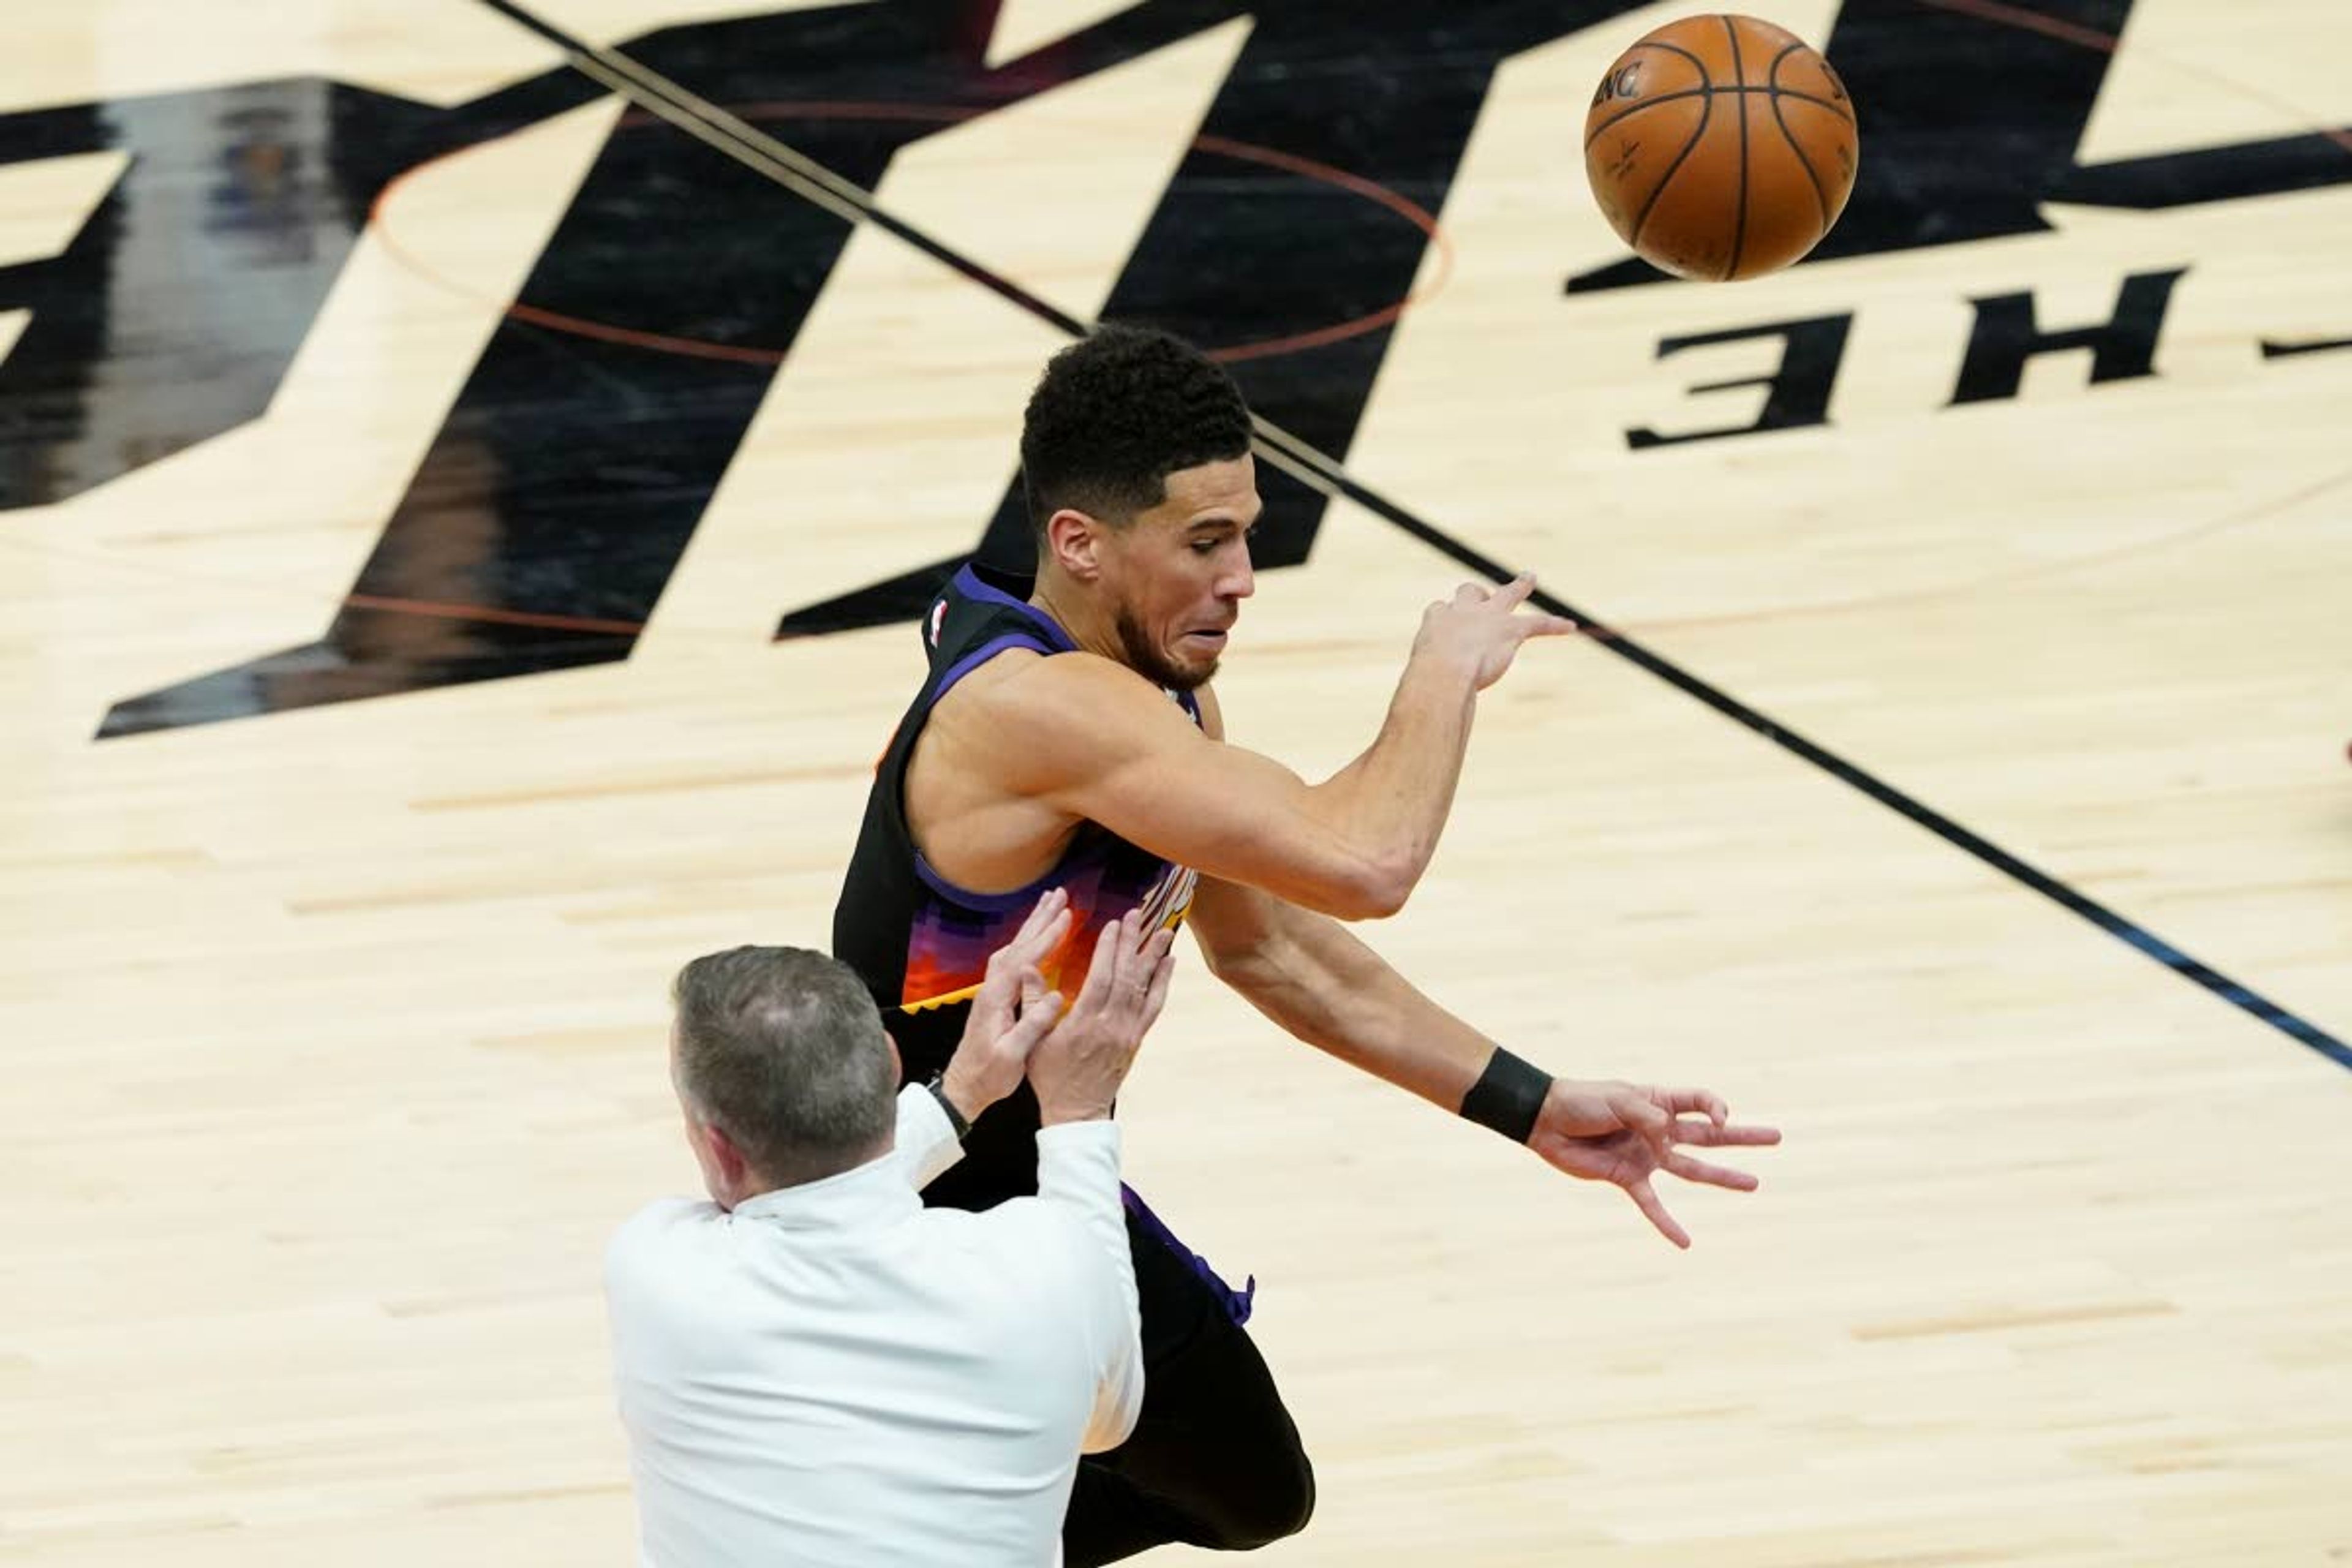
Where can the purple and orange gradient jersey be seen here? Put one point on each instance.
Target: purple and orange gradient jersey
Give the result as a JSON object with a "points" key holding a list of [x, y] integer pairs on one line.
{"points": [[922, 945]]}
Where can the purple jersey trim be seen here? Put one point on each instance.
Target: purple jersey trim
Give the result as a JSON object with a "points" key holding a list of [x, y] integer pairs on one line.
{"points": [[981, 655], [1048, 631], [1236, 1303], [967, 582], [988, 903]]}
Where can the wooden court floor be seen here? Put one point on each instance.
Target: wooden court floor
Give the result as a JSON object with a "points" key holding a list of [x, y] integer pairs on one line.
{"points": [[410, 451]]}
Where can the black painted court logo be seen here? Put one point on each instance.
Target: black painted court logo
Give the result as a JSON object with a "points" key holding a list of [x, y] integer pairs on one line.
{"points": [[553, 505]]}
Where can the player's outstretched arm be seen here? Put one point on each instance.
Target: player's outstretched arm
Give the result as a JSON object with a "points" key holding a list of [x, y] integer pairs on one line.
{"points": [[1102, 744], [1313, 977]]}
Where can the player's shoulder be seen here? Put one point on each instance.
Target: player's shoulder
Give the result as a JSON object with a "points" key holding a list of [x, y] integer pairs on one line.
{"points": [[1034, 695]]}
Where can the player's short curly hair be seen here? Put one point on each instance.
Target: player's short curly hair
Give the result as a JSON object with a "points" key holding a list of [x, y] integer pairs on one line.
{"points": [[1115, 414]]}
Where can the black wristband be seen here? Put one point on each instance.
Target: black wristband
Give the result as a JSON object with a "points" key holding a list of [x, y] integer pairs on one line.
{"points": [[1508, 1097], [956, 1124]]}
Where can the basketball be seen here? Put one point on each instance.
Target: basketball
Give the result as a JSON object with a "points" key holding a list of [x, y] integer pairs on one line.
{"points": [[1721, 147]]}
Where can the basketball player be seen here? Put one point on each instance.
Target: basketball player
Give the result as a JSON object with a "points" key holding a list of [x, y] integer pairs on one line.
{"points": [[1068, 736]]}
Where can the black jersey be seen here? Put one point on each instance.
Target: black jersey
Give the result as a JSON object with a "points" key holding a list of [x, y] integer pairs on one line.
{"points": [[921, 943]]}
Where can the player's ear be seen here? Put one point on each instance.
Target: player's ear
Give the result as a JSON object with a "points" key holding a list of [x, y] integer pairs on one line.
{"points": [[1074, 541]]}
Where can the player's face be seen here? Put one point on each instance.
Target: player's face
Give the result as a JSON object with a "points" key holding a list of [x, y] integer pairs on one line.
{"points": [[1182, 569]]}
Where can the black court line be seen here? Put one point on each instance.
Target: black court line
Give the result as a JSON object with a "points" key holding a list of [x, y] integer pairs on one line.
{"points": [[2273, 350], [665, 99]]}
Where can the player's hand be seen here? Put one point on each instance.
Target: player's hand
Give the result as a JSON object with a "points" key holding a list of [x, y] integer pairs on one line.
{"points": [[1010, 1012], [1077, 1068], [1480, 628], [1627, 1132]]}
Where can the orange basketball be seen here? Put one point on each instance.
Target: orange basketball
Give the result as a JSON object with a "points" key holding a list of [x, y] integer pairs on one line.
{"points": [[1721, 147]]}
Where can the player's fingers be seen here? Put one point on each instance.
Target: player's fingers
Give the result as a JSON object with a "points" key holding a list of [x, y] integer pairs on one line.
{"points": [[1634, 1109], [1526, 628], [1646, 1199], [1691, 1170], [1705, 1103], [1513, 594], [1729, 1135], [1694, 1129]]}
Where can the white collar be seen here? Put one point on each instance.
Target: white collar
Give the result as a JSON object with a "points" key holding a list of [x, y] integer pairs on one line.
{"points": [[859, 1198]]}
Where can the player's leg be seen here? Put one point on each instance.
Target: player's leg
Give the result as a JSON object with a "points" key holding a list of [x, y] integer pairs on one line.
{"points": [[1215, 1459]]}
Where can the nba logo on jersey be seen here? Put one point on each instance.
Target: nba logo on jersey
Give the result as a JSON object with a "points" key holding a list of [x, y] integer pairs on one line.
{"points": [[938, 618]]}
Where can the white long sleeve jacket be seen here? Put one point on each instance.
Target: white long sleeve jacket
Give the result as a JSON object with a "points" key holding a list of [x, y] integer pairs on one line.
{"points": [[832, 1376]]}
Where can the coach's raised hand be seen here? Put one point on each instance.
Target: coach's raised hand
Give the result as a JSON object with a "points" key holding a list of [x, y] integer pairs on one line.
{"points": [[1077, 1068], [1010, 1013]]}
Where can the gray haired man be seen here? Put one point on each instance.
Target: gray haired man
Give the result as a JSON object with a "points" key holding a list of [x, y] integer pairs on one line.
{"points": [[811, 1367]]}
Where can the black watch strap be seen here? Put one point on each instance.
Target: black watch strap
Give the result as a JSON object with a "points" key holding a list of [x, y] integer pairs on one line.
{"points": [[937, 1085]]}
